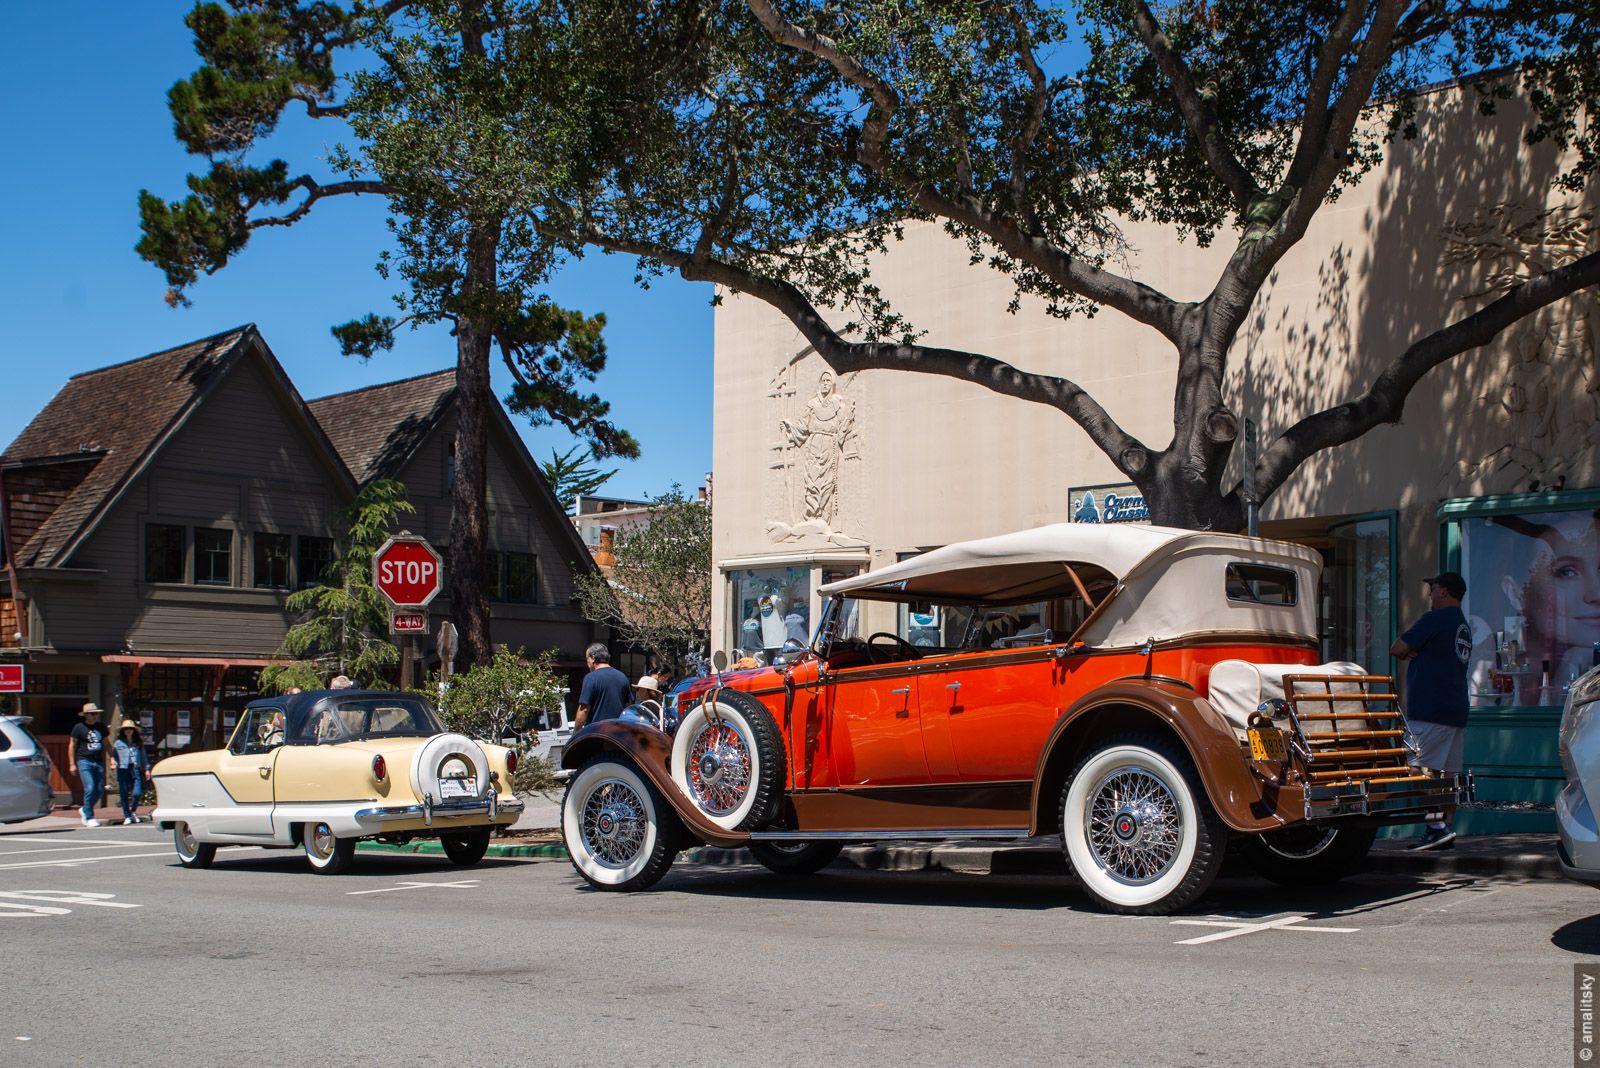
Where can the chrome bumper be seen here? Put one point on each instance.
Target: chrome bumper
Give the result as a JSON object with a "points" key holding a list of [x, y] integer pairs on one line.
{"points": [[430, 810], [1389, 800]]}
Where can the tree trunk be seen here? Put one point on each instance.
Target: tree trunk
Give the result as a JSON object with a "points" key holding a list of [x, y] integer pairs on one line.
{"points": [[469, 514]]}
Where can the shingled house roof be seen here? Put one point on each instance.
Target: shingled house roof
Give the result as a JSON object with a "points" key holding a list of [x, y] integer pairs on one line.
{"points": [[97, 431], [376, 430]]}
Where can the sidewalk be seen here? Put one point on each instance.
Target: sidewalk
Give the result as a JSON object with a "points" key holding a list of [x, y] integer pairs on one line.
{"points": [[68, 817]]}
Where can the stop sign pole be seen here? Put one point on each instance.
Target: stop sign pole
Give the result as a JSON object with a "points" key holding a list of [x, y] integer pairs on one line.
{"points": [[408, 573]]}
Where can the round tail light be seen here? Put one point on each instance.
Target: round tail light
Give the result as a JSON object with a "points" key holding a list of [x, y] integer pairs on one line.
{"points": [[380, 769], [511, 763]]}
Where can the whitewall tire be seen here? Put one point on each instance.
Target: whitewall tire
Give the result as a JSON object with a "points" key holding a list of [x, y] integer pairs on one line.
{"points": [[192, 853], [1137, 828], [618, 829], [325, 852], [728, 760], [448, 756]]}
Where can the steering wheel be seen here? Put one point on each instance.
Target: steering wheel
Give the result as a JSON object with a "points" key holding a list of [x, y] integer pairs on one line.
{"points": [[904, 649]]}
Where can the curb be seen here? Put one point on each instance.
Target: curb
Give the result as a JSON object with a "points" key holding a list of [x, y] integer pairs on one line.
{"points": [[1038, 859]]}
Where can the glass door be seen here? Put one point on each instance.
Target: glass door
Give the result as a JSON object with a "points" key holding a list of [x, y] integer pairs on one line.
{"points": [[1360, 585]]}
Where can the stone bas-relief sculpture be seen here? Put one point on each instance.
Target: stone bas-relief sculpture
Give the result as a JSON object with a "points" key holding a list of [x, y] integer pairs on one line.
{"points": [[815, 443], [1548, 391]]}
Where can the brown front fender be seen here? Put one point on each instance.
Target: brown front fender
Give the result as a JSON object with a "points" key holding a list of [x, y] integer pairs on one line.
{"points": [[651, 752], [1244, 801]]}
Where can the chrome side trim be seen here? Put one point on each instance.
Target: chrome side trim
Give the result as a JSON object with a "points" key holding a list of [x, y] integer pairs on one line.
{"points": [[928, 835]]}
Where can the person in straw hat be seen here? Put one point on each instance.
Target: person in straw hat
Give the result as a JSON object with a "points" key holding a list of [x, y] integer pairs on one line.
{"points": [[88, 751], [133, 768]]}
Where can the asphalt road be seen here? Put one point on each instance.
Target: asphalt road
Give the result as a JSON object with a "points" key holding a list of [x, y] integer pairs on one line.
{"points": [[412, 961]]}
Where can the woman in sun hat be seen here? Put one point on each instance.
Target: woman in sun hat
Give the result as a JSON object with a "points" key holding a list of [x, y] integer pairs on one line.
{"points": [[133, 768]]}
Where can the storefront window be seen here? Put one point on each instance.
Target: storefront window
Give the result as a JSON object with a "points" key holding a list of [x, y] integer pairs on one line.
{"points": [[770, 605], [1533, 599]]}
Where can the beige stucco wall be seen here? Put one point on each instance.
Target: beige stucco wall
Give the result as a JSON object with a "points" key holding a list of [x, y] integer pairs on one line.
{"points": [[933, 460]]}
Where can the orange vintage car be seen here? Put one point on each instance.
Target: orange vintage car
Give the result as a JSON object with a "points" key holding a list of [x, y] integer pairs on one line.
{"points": [[1148, 694]]}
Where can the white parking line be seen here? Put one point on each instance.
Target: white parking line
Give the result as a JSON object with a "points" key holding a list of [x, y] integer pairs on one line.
{"points": [[72, 862], [66, 849], [465, 884], [1282, 923]]}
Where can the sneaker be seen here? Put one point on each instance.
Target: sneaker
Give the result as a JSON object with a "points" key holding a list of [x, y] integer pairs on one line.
{"points": [[91, 822], [1437, 838]]}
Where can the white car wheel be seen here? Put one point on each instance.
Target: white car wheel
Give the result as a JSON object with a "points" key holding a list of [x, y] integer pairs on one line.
{"points": [[192, 853], [728, 760], [448, 756], [617, 827], [327, 854], [1139, 832]]}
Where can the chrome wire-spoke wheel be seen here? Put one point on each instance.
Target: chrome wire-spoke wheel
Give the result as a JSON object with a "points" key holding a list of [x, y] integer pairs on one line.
{"points": [[719, 767], [614, 823], [1133, 825]]}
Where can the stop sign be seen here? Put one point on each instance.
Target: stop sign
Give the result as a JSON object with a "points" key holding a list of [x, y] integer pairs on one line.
{"points": [[407, 571]]}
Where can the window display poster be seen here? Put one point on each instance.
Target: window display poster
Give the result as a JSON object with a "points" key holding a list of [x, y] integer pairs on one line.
{"points": [[147, 722], [183, 721], [1533, 599]]}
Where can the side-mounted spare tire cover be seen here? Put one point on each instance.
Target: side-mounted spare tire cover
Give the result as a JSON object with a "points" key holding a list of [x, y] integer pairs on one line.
{"points": [[435, 757], [728, 759]]}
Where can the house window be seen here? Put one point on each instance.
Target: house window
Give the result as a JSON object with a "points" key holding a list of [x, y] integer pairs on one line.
{"points": [[163, 553], [213, 557], [769, 605], [272, 561], [313, 561], [517, 583]]}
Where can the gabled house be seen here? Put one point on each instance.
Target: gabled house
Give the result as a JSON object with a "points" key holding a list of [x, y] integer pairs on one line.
{"points": [[406, 430], [156, 514]]}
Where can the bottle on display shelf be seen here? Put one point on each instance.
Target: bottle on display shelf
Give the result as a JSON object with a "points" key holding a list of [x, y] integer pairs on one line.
{"points": [[1546, 693]]}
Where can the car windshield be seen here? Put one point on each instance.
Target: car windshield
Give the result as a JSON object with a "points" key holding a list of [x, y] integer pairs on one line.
{"points": [[343, 719], [923, 628]]}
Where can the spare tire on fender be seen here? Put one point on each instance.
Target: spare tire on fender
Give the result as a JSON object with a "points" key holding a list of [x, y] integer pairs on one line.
{"points": [[728, 760], [436, 755]]}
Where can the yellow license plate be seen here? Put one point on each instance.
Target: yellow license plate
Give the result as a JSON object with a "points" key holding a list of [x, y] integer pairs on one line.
{"points": [[1266, 743]]}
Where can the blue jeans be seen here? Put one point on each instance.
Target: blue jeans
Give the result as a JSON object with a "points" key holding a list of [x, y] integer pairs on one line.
{"points": [[129, 786], [93, 775]]}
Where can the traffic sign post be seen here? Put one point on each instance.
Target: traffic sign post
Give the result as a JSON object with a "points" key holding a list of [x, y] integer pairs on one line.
{"points": [[408, 573]]}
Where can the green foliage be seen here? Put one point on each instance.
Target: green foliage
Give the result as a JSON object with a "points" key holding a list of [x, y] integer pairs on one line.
{"points": [[570, 474], [344, 622], [429, 95], [505, 695], [658, 595]]}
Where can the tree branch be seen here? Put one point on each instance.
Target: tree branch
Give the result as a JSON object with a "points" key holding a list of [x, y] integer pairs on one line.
{"points": [[875, 130], [314, 193], [1196, 113], [316, 109], [845, 357], [1313, 123], [1022, 141], [1384, 401]]}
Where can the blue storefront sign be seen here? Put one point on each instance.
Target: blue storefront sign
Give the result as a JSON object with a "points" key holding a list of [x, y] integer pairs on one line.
{"points": [[1117, 502]]}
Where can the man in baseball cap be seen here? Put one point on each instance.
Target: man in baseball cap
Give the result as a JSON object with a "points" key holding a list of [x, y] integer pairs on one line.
{"points": [[1438, 647]]}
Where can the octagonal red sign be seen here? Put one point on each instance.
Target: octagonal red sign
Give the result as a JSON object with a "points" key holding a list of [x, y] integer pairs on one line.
{"points": [[407, 571]]}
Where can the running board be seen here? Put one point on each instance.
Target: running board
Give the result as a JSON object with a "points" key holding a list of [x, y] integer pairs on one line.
{"points": [[928, 835]]}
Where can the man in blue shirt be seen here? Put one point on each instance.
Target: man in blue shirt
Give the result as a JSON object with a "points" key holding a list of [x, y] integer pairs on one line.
{"points": [[606, 691], [1438, 647]]}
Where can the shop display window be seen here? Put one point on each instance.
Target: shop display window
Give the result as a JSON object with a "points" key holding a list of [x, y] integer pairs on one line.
{"points": [[1533, 594], [770, 605]]}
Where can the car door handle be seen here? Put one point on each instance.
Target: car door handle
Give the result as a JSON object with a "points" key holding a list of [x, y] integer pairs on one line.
{"points": [[952, 686], [265, 772], [901, 689]]}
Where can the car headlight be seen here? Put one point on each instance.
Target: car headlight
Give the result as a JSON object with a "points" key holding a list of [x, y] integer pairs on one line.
{"points": [[1583, 699]]}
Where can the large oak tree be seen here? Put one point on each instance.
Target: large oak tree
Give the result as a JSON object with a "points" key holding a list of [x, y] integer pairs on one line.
{"points": [[430, 97], [773, 146]]}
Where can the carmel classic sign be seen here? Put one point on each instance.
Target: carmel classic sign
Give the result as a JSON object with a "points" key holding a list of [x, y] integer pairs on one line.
{"points": [[1117, 502]]}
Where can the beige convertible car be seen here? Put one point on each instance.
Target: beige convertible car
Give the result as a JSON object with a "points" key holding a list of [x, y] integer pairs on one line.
{"points": [[322, 771]]}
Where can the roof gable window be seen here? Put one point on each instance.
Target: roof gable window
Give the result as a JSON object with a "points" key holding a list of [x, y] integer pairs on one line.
{"points": [[213, 556], [163, 553]]}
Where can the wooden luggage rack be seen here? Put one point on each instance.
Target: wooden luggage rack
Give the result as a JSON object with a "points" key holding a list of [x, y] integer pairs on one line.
{"points": [[1347, 737]]}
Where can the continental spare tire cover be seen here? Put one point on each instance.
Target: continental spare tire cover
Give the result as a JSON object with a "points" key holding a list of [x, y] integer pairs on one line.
{"points": [[452, 756]]}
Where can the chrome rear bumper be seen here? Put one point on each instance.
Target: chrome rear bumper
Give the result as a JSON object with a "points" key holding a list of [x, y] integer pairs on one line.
{"points": [[430, 810], [1392, 800]]}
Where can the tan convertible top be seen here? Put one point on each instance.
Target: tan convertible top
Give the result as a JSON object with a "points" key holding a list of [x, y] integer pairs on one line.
{"points": [[1170, 582]]}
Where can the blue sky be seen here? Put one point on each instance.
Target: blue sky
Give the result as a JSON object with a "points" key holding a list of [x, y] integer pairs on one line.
{"points": [[86, 127]]}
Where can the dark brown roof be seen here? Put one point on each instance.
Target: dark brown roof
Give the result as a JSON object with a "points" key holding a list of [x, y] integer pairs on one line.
{"points": [[120, 414], [377, 429]]}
